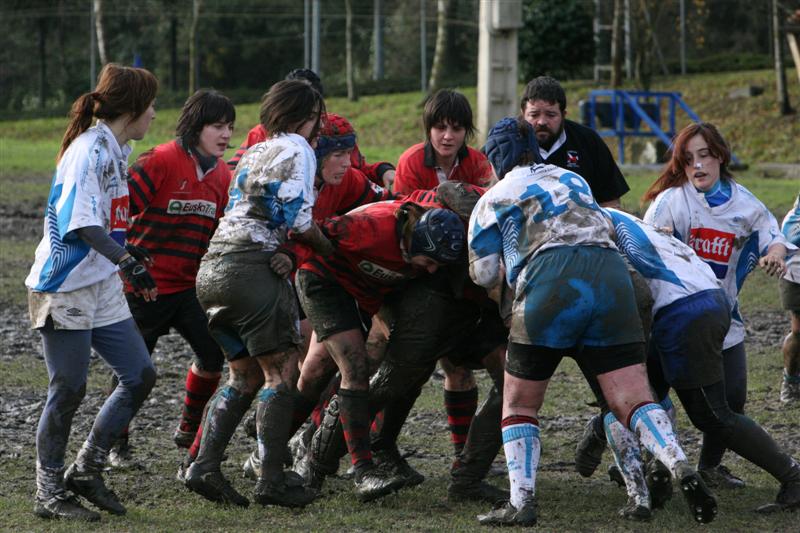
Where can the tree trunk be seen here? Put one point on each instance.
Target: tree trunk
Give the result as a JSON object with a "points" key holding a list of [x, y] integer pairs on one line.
{"points": [[348, 37], [98, 26], [780, 73], [194, 62], [616, 46], [439, 53]]}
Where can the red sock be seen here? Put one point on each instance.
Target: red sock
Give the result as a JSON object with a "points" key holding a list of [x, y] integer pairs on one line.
{"points": [[198, 391], [377, 423], [460, 407], [354, 416], [195, 447]]}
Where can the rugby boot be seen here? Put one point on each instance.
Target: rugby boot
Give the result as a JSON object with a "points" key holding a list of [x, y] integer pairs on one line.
{"points": [[251, 466], [214, 487], [659, 483], [63, 505], [788, 498], [395, 462], [636, 511], [719, 477], [375, 482], [121, 454], [790, 389], [287, 492], [615, 475], [91, 486], [183, 466], [505, 514], [183, 439], [701, 501], [589, 452], [475, 491]]}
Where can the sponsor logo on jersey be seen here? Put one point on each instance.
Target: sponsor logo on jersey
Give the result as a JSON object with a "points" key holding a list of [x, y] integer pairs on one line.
{"points": [[119, 213], [203, 208], [572, 159], [714, 247], [378, 272]]}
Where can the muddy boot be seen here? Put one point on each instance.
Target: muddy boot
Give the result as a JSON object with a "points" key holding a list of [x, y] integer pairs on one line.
{"points": [[373, 482], [788, 498], [183, 439], [505, 514], [121, 454], [91, 486], [475, 491], [659, 482], [589, 452], [63, 505], [790, 389], [251, 466], [214, 487], [183, 466], [636, 511], [395, 462], [615, 475], [290, 491], [701, 501], [719, 477]]}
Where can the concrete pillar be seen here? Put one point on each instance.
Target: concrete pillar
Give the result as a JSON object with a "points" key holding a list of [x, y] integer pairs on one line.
{"points": [[497, 62]]}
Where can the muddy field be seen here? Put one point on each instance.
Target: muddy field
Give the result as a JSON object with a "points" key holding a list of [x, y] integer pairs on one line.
{"points": [[150, 486]]}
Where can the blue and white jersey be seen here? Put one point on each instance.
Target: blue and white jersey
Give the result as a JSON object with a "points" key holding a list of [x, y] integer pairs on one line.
{"points": [[272, 192], [791, 230], [89, 188], [672, 269], [532, 209], [730, 238]]}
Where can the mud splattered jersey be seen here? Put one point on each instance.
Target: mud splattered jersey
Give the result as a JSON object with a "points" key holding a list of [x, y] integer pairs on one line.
{"points": [[672, 269], [730, 238], [271, 192], [791, 230], [532, 209], [89, 189]]}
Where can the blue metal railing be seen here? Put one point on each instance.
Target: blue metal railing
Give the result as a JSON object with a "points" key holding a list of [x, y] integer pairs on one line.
{"points": [[626, 111]]}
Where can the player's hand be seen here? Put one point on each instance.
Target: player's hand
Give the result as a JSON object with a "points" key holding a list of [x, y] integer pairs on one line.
{"points": [[137, 276], [139, 253], [281, 264], [388, 179], [773, 265]]}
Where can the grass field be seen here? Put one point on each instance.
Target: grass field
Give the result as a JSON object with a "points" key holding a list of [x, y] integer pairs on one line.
{"points": [[387, 125]]}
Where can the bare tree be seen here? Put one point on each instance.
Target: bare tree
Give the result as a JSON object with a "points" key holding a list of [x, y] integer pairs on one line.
{"points": [[98, 27], [442, 26], [348, 37], [194, 63], [616, 45]]}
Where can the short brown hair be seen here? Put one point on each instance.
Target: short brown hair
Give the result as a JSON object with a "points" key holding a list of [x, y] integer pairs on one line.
{"points": [[674, 174], [205, 106], [446, 105], [289, 103]]}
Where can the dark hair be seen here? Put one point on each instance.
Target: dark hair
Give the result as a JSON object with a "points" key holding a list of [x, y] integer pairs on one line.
{"points": [[204, 107], [446, 105], [308, 75], [674, 174], [289, 103], [544, 88], [119, 90]]}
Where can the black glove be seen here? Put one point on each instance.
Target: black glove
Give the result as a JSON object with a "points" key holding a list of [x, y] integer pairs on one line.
{"points": [[139, 253], [136, 275]]}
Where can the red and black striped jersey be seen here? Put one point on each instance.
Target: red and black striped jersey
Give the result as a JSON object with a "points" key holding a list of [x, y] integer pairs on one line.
{"points": [[368, 262], [174, 212], [258, 134]]}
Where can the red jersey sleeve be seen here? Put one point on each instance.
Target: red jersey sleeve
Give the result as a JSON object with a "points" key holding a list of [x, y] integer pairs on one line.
{"points": [[408, 177], [256, 135], [144, 180]]}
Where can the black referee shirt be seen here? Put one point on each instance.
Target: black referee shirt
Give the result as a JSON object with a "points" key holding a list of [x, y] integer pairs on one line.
{"points": [[585, 153]]}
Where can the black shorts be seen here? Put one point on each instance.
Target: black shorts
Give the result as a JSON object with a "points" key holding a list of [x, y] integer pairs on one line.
{"points": [[790, 295], [539, 363], [181, 311], [329, 307]]}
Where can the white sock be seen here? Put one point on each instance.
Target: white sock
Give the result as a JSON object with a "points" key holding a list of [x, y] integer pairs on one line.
{"points": [[522, 448], [652, 426], [628, 458], [669, 407]]}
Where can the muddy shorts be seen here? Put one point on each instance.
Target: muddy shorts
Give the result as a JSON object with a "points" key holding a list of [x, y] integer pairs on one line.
{"points": [[250, 310], [329, 307], [687, 337], [181, 311], [95, 306], [790, 295], [576, 296], [539, 363]]}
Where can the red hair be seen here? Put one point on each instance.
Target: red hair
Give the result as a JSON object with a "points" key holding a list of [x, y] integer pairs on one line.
{"points": [[674, 174]]}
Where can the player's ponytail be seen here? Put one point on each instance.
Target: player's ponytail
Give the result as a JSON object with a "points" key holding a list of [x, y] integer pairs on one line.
{"points": [[119, 90]]}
